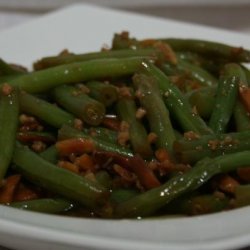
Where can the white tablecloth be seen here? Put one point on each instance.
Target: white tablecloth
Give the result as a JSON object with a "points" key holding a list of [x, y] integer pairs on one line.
{"points": [[234, 17]]}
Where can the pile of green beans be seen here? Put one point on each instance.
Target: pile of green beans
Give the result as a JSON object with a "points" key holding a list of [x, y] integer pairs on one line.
{"points": [[157, 122]]}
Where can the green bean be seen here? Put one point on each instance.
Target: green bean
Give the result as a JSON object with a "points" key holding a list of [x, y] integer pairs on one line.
{"points": [[9, 112], [44, 110], [178, 106], [80, 104], [44, 80], [50, 154], [150, 201], [156, 111], [178, 135], [225, 100], [206, 48], [104, 179], [241, 116], [126, 110], [190, 57], [6, 79], [31, 136], [8, 70], [197, 204], [195, 72], [52, 61], [104, 134], [57, 180], [213, 66], [247, 73], [103, 92], [242, 195], [121, 195], [202, 100], [210, 49], [52, 206], [190, 151], [123, 41], [67, 132]]}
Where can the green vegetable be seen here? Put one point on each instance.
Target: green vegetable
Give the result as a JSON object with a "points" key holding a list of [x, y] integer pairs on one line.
{"points": [[210, 49], [126, 109], [67, 132], [53, 206], [149, 202], [202, 100], [197, 204], [8, 70], [191, 151], [193, 71], [9, 113], [50, 154], [103, 92], [45, 111], [44, 80], [178, 106], [58, 180], [156, 111], [80, 104], [225, 100], [52, 61]]}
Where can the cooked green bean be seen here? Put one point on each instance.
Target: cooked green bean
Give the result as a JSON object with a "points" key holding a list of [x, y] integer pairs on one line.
{"points": [[156, 111], [213, 66], [123, 41], [104, 134], [31, 136], [47, 112], [126, 109], [104, 179], [210, 49], [202, 100], [57, 180], [149, 127], [7, 78], [242, 195], [52, 61], [51, 206], [8, 70], [103, 92], [9, 112], [195, 72], [197, 204], [247, 73], [44, 80], [121, 195], [80, 104], [225, 100], [176, 102], [241, 116], [67, 132], [190, 151], [50, 154], [150, 201]]}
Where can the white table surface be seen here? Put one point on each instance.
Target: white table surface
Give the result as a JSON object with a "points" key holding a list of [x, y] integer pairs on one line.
{"points": [[232, 16]]}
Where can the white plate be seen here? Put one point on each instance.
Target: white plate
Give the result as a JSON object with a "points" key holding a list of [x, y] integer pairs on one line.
{"points": [[84, 28]]}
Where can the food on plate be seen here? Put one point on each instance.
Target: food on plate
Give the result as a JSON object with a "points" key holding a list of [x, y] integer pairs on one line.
{"points": [[149, 127]]}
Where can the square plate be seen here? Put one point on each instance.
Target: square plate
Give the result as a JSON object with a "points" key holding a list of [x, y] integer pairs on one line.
{"points": [[82, 28]]}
